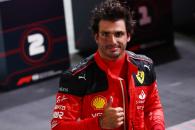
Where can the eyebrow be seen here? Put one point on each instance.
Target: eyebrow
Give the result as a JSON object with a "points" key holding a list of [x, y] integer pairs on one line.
{"points": [[112, 31]]}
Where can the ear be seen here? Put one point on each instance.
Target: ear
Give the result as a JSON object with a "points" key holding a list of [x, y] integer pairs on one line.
{"points": [[128, 37], [96, 37]]}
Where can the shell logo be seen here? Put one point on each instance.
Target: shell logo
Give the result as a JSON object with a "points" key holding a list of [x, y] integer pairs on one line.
{"points": [[98, 102]]}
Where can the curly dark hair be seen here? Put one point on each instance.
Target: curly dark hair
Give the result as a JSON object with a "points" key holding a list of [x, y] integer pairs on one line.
{"points": [[111, 10]]}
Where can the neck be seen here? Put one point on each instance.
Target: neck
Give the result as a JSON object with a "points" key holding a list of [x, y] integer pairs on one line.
{"points": [[115, 65]]}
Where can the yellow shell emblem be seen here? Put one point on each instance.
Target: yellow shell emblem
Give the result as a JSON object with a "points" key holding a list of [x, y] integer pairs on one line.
{"points": [[98, 102], [140, 76]]}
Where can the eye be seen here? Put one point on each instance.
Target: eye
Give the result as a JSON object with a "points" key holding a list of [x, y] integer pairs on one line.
{"points": [[104, 34], [119, 34]]}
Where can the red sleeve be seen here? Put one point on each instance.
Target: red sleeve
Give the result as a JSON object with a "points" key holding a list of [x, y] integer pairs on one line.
{"points": [[66, 114], [154, 116]]}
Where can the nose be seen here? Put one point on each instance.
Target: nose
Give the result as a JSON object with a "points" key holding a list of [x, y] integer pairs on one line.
{"points": [[112, 38]]}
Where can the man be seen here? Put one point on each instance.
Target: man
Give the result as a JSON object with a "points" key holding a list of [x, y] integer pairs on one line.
{"points": [[113, 88]]}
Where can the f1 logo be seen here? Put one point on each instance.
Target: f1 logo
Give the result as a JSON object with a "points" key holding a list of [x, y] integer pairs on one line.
{"points": [[36, 45]]}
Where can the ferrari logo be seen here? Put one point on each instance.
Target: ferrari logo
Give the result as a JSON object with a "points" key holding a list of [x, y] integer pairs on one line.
{"points": [[140, 76]]}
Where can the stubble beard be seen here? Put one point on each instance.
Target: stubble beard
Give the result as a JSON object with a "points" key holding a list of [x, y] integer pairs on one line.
{"points": [[113, 54]]}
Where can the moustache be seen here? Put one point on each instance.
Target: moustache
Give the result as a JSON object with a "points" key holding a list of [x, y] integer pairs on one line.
{"points": [[109, 46]]}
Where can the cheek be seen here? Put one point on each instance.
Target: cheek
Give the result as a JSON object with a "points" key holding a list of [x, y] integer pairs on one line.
{"points": [[123, 42], [100, 42], [123, 45], [100, 45]]}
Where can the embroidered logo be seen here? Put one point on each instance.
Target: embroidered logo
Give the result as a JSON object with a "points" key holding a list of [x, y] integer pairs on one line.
{"points": [[146, 66], [140, 76], [82, 76], [98, 102], [142, 95]]}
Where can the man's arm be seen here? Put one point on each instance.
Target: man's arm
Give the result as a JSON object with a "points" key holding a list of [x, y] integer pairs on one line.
{"points": [[154, 116], [66, 114]]}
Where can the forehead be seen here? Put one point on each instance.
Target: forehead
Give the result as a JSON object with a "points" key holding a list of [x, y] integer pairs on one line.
{"points": [[107, 25]]}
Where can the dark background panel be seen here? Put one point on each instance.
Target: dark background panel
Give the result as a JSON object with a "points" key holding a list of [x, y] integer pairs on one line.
{"points": [[21, 19]]}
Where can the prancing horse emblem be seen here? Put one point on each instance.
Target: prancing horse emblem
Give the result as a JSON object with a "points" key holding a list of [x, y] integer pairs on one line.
{"points": [[140, 76]]}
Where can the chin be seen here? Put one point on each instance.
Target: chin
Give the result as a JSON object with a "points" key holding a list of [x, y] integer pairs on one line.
{"points": [[115, 56]]}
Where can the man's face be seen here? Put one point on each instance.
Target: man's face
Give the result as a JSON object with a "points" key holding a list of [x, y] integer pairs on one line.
{"points": [[112, 39]]}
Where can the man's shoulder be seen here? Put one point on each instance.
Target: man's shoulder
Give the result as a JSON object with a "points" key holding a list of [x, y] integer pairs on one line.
{"points": [[83, 78], [81, 66], [139, 57], [146, 74]]}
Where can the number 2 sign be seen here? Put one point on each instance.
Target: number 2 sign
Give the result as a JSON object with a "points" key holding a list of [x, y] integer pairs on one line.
{"points": [[36, 45]]}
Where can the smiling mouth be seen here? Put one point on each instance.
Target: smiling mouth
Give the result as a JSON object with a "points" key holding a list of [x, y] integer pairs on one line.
{"points": [[113, 48]]}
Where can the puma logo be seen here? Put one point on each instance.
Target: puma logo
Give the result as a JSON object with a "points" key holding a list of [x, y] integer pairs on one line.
{"points": [[146, 66], [82, 77]]}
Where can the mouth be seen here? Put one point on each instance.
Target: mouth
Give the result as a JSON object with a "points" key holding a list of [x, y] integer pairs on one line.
{"points": [[113, 48]]}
